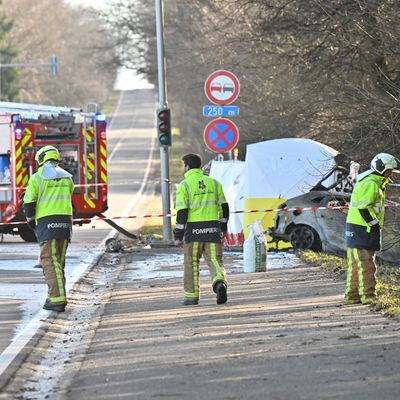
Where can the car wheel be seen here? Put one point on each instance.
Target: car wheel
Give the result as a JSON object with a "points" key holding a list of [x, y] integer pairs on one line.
{"points": [[303, 237]]}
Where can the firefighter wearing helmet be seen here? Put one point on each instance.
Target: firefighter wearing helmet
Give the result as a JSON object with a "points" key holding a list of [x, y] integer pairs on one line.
{"points": [[48, 210], [363, 228]]}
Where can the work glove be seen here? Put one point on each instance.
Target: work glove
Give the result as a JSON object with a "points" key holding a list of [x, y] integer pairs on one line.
{"points": [[178, 234], [375, 229], [223, 226]]}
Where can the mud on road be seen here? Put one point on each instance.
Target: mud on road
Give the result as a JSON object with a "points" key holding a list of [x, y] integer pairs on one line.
{"points": [[284, 334]]}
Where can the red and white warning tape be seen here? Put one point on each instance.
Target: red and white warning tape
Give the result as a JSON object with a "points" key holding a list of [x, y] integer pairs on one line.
{"points": [[98, 218], [5, 186]]}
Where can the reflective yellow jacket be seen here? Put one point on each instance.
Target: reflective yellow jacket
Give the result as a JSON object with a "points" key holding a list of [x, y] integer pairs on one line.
{"points": [[369, 193], [52, 196], [201, 195]]}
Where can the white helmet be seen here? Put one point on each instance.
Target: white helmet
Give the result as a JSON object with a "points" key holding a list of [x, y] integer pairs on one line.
{"points": [[382, 162]]}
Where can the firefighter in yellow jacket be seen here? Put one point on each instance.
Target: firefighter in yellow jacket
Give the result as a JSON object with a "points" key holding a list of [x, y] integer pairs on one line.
{"points": [[201, 221], [48, 210], [363, 228]]}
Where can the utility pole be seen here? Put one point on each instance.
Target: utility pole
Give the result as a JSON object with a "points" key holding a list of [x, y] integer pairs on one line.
{"points": [[162, 97]]}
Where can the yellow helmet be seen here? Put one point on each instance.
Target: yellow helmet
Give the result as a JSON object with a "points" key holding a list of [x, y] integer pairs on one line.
{"points": [[47, 153]]}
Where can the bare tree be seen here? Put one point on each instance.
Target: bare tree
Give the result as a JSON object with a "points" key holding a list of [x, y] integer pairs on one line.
{"points": [[86, 59], [308, 68]]}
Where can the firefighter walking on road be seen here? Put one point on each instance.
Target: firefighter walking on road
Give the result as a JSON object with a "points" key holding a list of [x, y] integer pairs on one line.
{"points": [[201, 221], [48, 210], [363, 228]]}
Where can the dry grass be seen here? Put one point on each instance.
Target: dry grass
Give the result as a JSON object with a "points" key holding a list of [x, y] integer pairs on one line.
{"points": [[388, 280], [154, 226]]}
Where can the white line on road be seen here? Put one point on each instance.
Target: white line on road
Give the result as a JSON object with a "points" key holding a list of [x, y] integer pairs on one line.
{"points": [[26, 334], [128, 209]]}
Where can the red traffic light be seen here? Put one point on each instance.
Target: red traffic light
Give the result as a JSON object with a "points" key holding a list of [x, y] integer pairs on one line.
{"points": [[164, 115]]}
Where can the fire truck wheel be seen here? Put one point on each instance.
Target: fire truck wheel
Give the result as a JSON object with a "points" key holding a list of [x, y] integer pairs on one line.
{"points": [[27, 234]]}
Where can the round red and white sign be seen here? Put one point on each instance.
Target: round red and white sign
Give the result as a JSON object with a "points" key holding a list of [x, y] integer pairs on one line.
{"points": [[222, 87]]}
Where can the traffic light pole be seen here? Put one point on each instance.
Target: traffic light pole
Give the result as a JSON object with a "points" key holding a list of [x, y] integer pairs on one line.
{"points": [[53, 67], [164, 151]]}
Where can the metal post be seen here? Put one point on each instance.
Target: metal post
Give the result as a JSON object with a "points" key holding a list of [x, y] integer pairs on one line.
{"points": [[52, 64], [0, 77], [164, 152]]}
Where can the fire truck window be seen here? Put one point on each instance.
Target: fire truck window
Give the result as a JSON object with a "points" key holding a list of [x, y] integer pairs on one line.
{"points": [[70, 162]]}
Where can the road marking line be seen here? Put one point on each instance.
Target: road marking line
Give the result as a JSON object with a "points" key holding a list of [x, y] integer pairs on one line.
{"points": [[25, 335]]}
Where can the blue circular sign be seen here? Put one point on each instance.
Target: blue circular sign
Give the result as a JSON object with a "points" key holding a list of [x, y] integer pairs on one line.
{"points": [[221, 135]]}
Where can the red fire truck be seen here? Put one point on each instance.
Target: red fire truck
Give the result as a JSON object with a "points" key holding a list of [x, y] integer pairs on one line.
{"points": [[80, 138]]}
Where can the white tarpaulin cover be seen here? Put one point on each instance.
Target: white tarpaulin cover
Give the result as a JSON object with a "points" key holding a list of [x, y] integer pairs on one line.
{"points": [[284, 168], [274, 170], [230, 174]]}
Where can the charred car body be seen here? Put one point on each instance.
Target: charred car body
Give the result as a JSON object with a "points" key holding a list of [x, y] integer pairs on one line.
{"points": [[308, 229], [316, 220]]}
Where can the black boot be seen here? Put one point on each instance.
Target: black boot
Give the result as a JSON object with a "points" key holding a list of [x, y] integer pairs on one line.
{"points": [[190, 302], [220, 290], [48, 305]]}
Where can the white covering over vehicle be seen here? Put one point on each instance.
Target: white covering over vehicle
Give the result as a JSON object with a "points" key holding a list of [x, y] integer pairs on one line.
{"points": [[273, 171]]}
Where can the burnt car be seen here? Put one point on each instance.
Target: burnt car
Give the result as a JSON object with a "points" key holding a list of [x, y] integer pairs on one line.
{"points": [[314, 223], [317, 219], [309, 225]]}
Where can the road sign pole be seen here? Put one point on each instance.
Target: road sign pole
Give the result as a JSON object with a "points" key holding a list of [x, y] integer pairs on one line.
{"points": [[164, 152]]}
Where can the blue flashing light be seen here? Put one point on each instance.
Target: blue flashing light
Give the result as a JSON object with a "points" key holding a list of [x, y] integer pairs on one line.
{"points": [[100, 118], [16, 119]]}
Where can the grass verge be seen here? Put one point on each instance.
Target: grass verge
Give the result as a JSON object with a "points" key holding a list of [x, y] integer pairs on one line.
{"points": [[154, 226], [388, 280], [111, 103]]}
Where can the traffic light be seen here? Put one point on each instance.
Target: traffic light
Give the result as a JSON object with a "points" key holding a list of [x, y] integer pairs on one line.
{"points": [[164, 126]]}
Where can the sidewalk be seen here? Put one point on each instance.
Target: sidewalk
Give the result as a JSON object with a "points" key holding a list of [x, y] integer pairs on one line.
{"points": [[284, 334]]}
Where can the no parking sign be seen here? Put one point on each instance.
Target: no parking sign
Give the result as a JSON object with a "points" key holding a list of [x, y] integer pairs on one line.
{"points": [[221, 135]]}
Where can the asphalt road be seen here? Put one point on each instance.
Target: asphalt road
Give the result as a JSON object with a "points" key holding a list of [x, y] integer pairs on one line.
{"points": [[283, 335], [131, 153]]}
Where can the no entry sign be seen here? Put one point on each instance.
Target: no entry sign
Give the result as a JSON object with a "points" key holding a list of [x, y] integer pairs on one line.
{"points": [[222, 87], [221, 135]]}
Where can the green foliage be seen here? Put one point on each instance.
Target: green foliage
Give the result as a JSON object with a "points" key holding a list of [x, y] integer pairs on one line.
{"points": [[8, 75]]}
